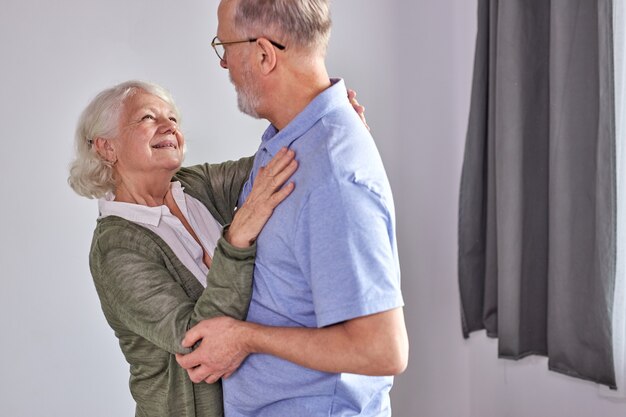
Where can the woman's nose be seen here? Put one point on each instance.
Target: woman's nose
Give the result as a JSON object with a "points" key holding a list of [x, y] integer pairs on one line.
{"points": [[223, 63], [168, 126]]}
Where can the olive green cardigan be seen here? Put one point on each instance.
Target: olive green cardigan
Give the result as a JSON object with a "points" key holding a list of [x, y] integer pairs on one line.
{"points": [[151, 299]]}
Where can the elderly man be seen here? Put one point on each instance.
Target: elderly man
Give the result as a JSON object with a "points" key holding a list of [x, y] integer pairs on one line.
{"points": [[325, 330]]}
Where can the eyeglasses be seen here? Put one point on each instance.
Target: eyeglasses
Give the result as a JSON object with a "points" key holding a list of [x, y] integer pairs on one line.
{"points": [[218, 46]]}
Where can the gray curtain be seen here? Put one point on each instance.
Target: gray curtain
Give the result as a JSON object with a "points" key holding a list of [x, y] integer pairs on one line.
{"points": [[537, 200]]}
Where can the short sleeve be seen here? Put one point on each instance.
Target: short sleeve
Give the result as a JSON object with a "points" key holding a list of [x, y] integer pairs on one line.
{"points": [[345, 244]]}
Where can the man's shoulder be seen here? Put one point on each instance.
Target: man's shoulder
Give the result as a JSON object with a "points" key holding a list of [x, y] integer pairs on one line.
{"points": [[337, 131], [341, 141]]}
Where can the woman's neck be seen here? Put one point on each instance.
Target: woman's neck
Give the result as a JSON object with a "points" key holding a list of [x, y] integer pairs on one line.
{"points": [[152, 195]]}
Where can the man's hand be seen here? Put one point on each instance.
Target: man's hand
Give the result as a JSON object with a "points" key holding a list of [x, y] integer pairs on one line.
{"points": [[220, 352]]}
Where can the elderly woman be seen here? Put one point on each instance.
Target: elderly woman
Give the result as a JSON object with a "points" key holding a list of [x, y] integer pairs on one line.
{"points": [[162, 257]]}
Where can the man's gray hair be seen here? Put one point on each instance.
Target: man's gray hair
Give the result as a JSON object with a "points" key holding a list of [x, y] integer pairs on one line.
{"points": [[90, 175], [300, 23]]}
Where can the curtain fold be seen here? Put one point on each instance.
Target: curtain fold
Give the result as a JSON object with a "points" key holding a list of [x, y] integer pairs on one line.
{"points": [[537, 200]]}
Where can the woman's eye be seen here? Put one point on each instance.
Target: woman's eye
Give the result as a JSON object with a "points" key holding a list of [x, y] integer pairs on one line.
{"points": [[148, 117], [173, 119]]}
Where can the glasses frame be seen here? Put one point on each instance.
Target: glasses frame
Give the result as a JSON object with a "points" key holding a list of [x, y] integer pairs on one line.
{"points": [[215, 44]]}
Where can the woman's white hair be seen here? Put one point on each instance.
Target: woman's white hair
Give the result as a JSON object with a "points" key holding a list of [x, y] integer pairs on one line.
{"points": [[90, 175], [299, 23]]}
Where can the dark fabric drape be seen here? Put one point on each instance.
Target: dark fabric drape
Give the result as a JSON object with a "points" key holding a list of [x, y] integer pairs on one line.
{"points": [[537, 199]]}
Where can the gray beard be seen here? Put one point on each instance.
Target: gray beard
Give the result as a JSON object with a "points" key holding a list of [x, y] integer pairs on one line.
{"points": [[247, 101]]}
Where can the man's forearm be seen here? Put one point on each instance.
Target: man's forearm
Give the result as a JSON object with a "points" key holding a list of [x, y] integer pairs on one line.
{"points": [[370, 345]]}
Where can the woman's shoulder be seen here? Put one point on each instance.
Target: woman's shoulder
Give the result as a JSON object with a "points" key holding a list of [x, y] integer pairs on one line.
{"points": [[113, 232], [214, 174]]}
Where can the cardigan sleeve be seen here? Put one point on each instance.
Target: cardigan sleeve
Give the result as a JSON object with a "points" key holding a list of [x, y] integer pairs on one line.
{"points": [[217, 185], [229, 281], [136, 281]]}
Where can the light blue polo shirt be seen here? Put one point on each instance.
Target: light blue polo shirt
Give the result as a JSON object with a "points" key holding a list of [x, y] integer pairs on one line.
{"points": [[328, 254]]}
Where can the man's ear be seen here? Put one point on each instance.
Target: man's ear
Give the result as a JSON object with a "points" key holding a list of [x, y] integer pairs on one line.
{"points": [[105, 149], [267, 56]]}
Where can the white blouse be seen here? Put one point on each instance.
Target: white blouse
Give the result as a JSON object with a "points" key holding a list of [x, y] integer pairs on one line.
{"points": [[167, 226]]}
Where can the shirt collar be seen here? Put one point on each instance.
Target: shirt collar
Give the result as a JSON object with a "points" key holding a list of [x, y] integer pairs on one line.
{"points": [[138, 213], [273, 139]]}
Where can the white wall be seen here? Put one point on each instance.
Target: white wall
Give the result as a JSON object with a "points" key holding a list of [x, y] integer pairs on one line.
{"points": [[434, 65], [411, 63]]}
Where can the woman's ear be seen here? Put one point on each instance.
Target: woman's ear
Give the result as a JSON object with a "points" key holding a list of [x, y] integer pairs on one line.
{"points": [[105, 150], [267, 56]]}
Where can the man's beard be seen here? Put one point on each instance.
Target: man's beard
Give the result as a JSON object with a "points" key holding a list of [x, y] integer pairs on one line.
{"points": [[248, 98]]}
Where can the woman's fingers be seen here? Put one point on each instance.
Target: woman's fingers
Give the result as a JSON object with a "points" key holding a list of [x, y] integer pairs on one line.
{"points": [[284, 174], [278, 163], [282, 158], [268, 191], [275, 173], [281, 194], [359, 109]]}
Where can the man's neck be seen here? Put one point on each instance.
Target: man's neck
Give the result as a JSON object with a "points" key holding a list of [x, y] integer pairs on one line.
{"points": [[290, 95]]}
